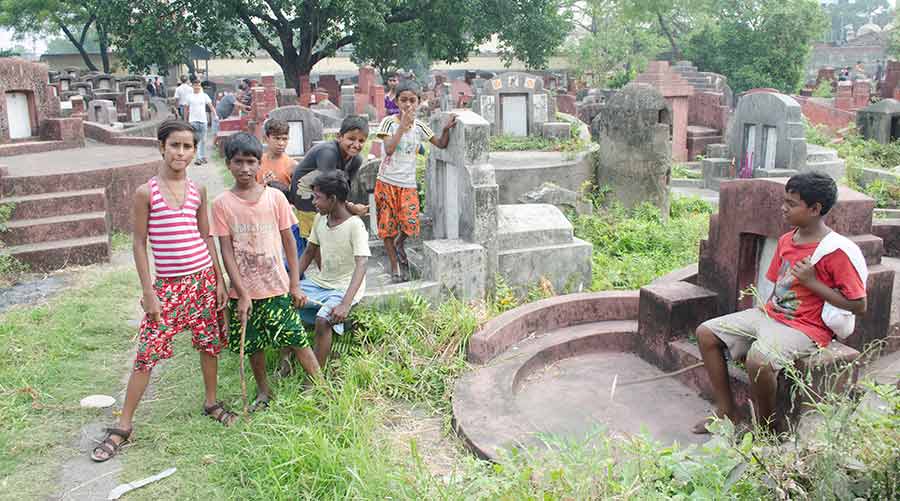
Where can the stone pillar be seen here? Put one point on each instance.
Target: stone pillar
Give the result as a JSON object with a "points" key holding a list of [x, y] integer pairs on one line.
{"points": [[348, 100], [329, 84], [305, 95], [377, 100], [78, 108], [676, 90], [861, 91], [843, 98], [462, 203], [634, 158]]}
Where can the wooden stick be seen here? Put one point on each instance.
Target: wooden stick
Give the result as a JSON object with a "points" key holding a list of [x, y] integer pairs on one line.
{"points": [[243, 378]]}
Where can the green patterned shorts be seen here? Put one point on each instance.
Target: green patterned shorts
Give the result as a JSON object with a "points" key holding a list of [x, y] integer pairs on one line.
{"points": [[273, 323]]}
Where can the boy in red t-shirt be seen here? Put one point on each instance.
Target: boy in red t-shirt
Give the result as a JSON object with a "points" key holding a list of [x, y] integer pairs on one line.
{"points": [[790, 326]]}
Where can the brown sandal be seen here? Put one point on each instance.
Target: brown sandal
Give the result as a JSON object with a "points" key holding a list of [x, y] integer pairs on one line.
{"points": [[110, 447], [224, 416]]}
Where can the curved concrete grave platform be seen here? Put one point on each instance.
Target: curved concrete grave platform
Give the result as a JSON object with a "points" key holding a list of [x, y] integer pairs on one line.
{"points": [[551, 368]]}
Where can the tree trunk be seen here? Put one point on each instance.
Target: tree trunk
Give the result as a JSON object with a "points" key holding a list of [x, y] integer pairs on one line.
{"points": [[676, 52], [78, 45], [104, 47], [192, 70], [293, 69]]}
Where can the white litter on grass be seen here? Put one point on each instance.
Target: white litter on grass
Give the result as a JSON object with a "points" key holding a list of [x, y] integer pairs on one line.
{"points": [[98, 401], [122, 489]]}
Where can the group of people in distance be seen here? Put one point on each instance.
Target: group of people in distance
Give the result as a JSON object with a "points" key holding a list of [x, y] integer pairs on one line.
{"points": [[282, 219], [278, 221]]}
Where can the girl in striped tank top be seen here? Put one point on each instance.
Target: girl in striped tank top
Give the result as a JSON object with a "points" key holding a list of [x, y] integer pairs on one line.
{"points": [[170, 211]]}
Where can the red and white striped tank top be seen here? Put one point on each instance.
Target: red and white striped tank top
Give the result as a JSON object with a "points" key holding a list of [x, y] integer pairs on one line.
{"points": [[178, 249]]}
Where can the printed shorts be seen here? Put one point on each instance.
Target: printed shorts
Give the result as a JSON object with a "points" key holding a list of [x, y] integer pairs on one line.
{"points": [[752, 330], [273, 323], [398, 210], [319, 303], [188, 302]]}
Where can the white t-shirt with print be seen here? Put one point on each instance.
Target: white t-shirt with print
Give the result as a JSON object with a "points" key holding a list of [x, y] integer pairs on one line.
{"points": [[197, 103], [399, 169]]}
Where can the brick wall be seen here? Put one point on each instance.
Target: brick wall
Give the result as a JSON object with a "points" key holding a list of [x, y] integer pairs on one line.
{"points": [[706, 109], [823, 113]]}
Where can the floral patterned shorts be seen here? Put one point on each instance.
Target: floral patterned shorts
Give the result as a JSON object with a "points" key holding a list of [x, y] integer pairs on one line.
{"points": [[398, 210], [188, 302], [273, 323]]}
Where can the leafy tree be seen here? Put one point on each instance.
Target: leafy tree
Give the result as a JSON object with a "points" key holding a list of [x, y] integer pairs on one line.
{"points": [[758, 43], [137, 29], [10, 52], [297, 34], [609, 43], [675, 19], [75, 18]]}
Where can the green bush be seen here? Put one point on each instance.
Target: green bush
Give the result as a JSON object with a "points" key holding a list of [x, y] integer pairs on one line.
{"points": [[823, 89], [816, 134]]}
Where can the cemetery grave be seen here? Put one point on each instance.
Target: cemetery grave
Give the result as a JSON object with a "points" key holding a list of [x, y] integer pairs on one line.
{"points": [[633, 348]]}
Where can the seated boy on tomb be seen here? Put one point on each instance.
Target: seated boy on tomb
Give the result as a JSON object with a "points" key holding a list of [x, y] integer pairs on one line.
{"points": [[790, 325], [396, 195], [340, 241]]}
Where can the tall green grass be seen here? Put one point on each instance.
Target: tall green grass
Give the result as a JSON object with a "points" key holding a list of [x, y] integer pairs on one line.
{"points": [[633, 247]]}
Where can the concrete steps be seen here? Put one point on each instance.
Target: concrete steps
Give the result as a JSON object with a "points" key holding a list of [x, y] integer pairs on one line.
{"points": [[55, 254], [57, 204], [56, 221], [31, 231]]}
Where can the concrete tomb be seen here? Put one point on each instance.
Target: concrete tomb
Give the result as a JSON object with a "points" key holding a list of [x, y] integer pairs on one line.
{"points": [[880, 121], [30, 111], [305, 128], [515, 104], [624, 361], [767, 133], [635, 156], [102, 111], [474, 238]]}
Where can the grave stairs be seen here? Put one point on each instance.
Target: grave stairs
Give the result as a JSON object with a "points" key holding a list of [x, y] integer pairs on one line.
{"points": [[55, 222]]}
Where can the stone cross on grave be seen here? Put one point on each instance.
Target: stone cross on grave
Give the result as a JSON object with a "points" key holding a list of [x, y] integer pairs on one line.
{"points": [[462, 197]]}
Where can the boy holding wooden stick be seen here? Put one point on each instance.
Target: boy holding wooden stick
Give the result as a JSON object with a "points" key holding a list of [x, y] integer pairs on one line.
{"points": [[253, 223]]}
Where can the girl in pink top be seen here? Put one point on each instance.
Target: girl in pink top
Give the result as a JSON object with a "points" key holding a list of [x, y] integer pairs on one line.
{"points": [[188, 292]]}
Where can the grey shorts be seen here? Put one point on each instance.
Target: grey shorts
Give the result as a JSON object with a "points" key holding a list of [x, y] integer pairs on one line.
{"points": [[752, 330]]}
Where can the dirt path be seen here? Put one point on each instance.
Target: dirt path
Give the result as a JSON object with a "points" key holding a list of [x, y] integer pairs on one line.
{"points": [[79, 478]]}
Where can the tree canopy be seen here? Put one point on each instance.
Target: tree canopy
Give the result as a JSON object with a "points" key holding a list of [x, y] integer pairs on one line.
{"points": [[609, 44], [758, 43], [297, 34], [77, 19]]}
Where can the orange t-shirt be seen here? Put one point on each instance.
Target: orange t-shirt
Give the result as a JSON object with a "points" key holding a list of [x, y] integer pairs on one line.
{"points": [[795, 305], [255, 230], [279, 169]]}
